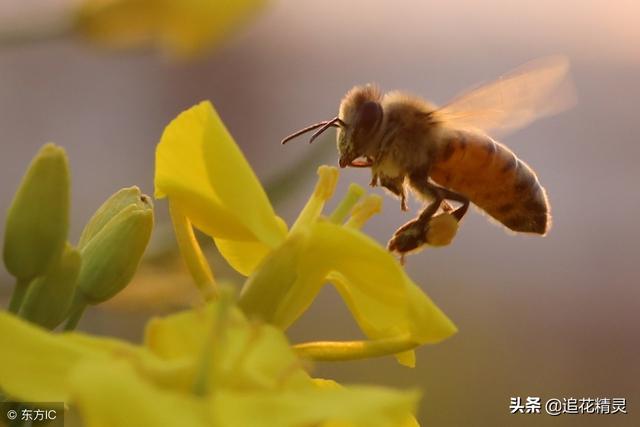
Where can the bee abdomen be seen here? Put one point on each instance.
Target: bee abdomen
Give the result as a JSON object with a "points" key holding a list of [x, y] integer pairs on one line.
{"points": [[494, 179]]}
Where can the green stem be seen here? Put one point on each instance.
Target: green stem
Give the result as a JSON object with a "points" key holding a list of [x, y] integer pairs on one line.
{"points": [[76, 312], [18, 295], [207, 371]]}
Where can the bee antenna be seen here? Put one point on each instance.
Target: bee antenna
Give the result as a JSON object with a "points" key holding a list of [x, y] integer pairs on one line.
{"points": [[335, 122], [323, 125]]}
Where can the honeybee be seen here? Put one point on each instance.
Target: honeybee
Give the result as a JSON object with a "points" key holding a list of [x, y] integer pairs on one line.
{"points": [[445, 154]]}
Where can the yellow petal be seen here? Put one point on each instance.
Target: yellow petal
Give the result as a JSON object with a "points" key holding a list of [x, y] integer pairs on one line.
{"points": [[244, 257], [338, 406], [382, 298], [114, 395], [179, 335], [25, 373], [409, 421], [183, 28], [248, 356], [235, 183], [192, 26], [181, 175], [199, 167]]}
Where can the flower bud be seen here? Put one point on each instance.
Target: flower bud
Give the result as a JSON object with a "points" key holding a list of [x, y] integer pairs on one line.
{"points": [[114, 204], [49, 297], [38, 218], [112, 245]]}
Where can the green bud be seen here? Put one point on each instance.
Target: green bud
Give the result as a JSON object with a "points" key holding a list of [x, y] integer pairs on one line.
{"points": [[112, 245], [114, 204], [38, 219], [49, 297]]}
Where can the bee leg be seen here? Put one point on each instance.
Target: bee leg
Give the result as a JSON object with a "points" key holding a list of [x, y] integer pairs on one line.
{"points": [[396, 186], [421, 184], [374, 180], [446, 206], [450, 195], [413, 234]]}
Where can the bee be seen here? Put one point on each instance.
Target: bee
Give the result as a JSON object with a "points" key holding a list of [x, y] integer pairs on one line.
{"points": [[445, 154]]}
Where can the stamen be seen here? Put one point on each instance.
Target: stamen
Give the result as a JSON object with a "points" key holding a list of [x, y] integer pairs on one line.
{"points": [[354, 350], [354, 193], [363, 211], [325, 187]]}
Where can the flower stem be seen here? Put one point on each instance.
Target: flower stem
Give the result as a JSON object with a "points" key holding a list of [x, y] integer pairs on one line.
{"points": [[192, 254], [207, 371], [332, 351], [76, 312], [18, 295]]}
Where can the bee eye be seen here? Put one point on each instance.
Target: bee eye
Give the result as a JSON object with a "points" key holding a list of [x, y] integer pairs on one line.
{"points": [[369, 115]]}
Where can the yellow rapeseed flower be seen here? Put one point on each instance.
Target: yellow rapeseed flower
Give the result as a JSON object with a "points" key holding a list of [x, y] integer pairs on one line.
{"points": [[205, 367], [209, 185], [180, 27]]}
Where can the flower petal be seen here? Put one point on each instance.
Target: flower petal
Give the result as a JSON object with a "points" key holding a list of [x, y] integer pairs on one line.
{"points": [[382, 298], [244, 257], [199, 166], [24, 373], [248, 356], [235, 183], [182, 29], [353, 406], [181, 175], [113, 394]]}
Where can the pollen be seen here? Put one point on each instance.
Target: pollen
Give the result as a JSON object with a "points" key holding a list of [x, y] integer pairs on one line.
{"points": [[442, 230]]}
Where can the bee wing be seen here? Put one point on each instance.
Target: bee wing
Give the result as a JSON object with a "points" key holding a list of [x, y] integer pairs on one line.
{"points": [[537, 89]]}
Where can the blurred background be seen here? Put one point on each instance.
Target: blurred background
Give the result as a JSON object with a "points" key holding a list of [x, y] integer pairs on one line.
{"points": [[554, 317]]}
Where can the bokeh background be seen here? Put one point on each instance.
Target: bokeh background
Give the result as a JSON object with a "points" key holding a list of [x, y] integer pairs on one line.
{"points": [[555, 317]]}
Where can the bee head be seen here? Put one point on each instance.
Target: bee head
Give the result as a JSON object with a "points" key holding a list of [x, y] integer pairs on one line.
{"points": [[358, 121], [361, 115]]}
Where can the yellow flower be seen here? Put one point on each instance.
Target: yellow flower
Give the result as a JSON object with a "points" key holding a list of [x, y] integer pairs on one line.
{"points": [[206, 367], [181, 28], [210, 185]]}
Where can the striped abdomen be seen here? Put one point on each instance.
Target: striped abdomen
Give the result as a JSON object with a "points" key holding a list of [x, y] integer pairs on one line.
{"points": [[494, 179]]}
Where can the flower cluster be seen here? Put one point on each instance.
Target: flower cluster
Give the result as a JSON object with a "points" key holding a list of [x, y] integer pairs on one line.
{"points": [[209, 184], [226, 362], [55, 281], [182, 28]]}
